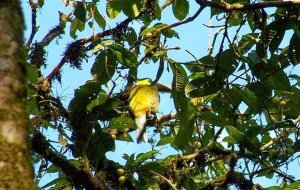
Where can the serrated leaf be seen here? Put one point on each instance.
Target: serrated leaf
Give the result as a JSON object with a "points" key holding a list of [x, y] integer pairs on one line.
{"points": [[180, 9], [104, 67], [179, 82], [113, 8], [294, 49]]}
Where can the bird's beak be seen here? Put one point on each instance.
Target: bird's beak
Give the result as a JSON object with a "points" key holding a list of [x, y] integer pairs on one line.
{"points": [[163, 87]]}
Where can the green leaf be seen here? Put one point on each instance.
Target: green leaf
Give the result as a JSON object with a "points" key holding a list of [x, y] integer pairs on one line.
{"points": [[113, 8], [140, 158], [84, 95], [80, 11], [168, 33], [60, 181], [273, 188], [293, 186], [129, 160], [110, 108], [271, 37], [99, 143], [99, 18], [152, 30], [247, 42], [122, 123], [104, 67], [278, 80], [76, 25], [157, 11], [131, 8], [123, 55], [165, 140], [154, 166], [179, 82], [236, 18], [131, 36], [237, 93], [180, 9], [294, 49], [211, 118], [240, 138], [31, 73], [227, 63], [186, 128]]}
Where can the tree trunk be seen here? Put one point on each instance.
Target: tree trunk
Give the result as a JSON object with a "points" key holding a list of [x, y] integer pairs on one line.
{"points": [[15, 154]]}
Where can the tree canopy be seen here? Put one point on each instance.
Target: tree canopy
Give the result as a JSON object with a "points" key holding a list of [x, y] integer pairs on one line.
{"points": [[237, 103]]}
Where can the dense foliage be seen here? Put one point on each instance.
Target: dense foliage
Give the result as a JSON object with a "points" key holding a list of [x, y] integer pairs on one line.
{"points": [[237, 105]]}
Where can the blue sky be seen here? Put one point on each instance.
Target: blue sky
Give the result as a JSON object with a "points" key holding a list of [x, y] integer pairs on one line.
{"points": [[193, 37]]}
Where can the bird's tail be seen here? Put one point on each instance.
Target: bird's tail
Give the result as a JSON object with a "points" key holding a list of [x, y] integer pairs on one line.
{"points": [[141, 130]]}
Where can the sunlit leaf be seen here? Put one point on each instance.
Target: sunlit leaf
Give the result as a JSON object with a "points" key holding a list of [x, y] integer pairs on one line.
{"points": [[131, 8], [123, 55], [113, 8]]}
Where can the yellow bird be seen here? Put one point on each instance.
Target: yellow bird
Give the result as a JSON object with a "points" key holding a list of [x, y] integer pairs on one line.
{"points": [[143, 101]]}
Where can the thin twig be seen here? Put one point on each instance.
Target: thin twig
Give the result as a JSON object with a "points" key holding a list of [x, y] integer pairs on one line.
{"points": [[33, 23], [164, 178], [227, 7]]}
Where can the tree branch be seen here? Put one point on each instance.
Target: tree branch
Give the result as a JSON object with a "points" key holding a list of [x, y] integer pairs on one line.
{"points": [[246, 6], [79, 177], [56, 31], [33, 23]]}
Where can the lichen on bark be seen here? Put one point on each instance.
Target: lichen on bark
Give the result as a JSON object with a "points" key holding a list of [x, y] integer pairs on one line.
{"points": [[15, 158]]}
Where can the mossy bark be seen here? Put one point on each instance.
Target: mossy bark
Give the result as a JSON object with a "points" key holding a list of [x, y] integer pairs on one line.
{"points": [[15, 155]]}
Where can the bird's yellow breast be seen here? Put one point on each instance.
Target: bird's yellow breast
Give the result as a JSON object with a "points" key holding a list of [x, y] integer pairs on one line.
{"points": [[144, 99]]}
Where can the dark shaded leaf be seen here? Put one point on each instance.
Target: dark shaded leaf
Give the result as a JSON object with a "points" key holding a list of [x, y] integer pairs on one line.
{"points": [[180, 9], [104, 67]]}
